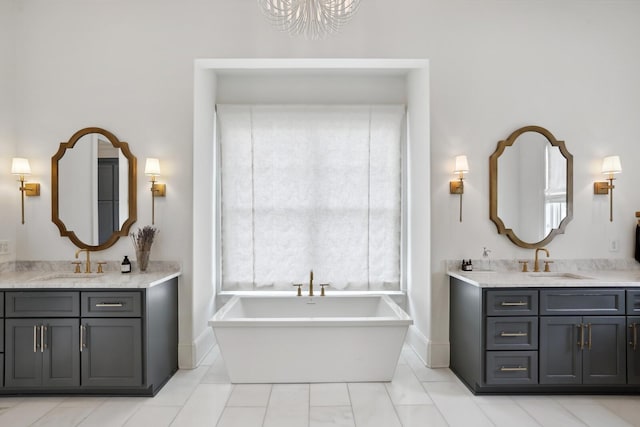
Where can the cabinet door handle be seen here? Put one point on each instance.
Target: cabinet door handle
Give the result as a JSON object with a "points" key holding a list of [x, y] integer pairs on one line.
{"points": [[42, 342], [513, 334], [513, 368], [581, 342], [634, 336], [513, 304], [82, 343], [109, 304], [589, 344], [35, 338]]}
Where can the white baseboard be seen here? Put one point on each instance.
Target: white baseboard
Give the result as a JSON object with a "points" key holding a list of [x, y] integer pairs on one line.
{"points": [[418, 342], [190, 355], [432, 354], [438, 354]]}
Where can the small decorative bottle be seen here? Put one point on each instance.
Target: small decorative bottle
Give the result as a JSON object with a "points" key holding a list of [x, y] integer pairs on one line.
{"points": [[125, 267]]}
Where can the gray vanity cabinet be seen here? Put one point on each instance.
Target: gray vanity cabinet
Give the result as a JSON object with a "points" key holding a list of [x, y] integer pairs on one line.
{"points": [[544, 339], [633, 331], [583, 338], [42, 352], [633, 350], [111, 339], [41, 339], [582, 350]]}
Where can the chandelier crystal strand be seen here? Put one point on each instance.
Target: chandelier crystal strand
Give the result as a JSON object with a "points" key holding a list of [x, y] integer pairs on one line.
{"points": [[312, 19]]}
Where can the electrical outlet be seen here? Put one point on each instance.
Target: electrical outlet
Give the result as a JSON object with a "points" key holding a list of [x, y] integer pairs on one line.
{"points": [[4, 247], [613, 245]]}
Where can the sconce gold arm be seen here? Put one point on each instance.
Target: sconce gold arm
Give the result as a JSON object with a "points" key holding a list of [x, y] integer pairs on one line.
{"points": [[457, 187], [603, 188], [27, 189], [157, 190]]}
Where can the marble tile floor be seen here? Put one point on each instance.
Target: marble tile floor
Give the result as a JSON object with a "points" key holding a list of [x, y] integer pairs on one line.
{"points": [[417, 396]]}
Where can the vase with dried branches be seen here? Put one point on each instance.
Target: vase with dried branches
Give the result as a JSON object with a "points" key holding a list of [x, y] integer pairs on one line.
{"points": [[142, 241]]}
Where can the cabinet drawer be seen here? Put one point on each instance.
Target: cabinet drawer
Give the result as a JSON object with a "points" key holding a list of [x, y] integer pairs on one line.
{"points": [[42, 304], [111, 304], [633, 302], [582, 301], [512, 333], [511, 302], [512, 367]]}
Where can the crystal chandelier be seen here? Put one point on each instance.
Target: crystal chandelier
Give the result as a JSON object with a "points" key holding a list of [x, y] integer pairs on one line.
{"points": [[312, 19]]}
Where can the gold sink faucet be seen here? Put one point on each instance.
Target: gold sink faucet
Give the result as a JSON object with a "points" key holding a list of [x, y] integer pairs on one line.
{"points": [[311, 283], [536, 266], [88, 265]]}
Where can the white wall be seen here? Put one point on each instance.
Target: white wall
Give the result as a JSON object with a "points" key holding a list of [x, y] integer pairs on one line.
{"points": [[9, 201], [495, 65]]}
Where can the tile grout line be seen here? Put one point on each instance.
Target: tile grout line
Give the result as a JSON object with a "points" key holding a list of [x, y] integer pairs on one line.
{"points": [[266, 408], [226, 402], [435, 405], [395, 410], [353, 414]]}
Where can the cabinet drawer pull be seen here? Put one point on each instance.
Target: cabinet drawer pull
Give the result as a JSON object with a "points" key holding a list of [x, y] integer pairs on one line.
{"points": [[513, 368], [634, 336], [513, 304], [35, 338], [513, 334], [109, 304], [589, 344], [42, 328]]}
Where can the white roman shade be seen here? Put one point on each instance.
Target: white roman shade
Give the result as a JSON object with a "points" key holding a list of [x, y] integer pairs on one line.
{"points": [[310, 187]]}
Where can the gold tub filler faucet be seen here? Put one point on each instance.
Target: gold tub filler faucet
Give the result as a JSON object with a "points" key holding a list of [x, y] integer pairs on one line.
{"points": [[300, 285]]}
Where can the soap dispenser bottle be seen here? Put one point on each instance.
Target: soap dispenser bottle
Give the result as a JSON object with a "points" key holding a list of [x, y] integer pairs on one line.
{"points": [[125, 267]]}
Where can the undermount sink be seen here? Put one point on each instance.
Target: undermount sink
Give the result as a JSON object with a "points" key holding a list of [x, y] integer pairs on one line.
{"points": [[556, 275], [64, 275]]}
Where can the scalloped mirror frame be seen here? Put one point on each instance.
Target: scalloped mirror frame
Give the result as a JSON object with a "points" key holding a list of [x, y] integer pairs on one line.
{"points": [[132, 174], [493, 187]]}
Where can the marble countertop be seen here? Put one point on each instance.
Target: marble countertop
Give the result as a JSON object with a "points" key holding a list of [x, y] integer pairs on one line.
{"points": [[581, 278], [53, 278]]}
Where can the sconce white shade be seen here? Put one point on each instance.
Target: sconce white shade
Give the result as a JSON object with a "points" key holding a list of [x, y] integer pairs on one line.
{"points": [[462, 165], [152, 167], [20, 166], [611, 165]]}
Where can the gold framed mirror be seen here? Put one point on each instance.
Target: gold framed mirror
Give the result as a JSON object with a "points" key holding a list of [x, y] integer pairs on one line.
{"points": [[531, 187], [93, 189]]}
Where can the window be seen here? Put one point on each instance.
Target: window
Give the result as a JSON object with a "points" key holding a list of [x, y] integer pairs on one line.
{"points": [[310, 188], [555, 192]]}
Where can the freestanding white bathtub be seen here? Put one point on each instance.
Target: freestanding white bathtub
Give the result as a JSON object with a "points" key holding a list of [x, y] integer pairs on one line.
{"points": [[289, 339]]}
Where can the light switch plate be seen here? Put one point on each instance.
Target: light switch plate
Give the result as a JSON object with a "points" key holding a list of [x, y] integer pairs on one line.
{"points": [[4, 247]]}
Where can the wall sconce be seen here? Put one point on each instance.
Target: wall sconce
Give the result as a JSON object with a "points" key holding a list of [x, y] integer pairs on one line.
{"points": [[457, 186], [21, 168], [152, 169], [610, 166]]}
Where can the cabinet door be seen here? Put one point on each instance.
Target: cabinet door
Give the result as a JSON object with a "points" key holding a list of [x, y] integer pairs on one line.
{"points": [[604, 355], [633, 350], [61, 355], [111, 355], [560, 355], [23, 357]]}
